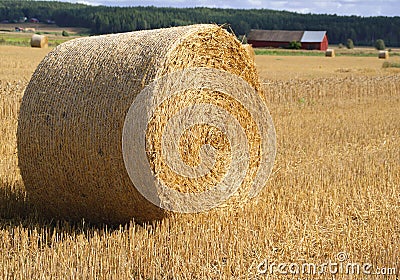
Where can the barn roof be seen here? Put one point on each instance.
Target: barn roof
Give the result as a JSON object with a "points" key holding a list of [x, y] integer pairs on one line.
{"points": [[286, 36], [274, 35], [313, 36]]}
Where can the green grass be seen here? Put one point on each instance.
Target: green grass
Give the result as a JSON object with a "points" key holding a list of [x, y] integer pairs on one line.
{"points": [[358, 54], [388, 64], [283, 52], [25, 41], [14, 41], [340, 52]]}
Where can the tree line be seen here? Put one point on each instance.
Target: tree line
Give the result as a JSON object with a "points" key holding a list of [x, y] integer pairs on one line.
{"points": [[102, 19]]}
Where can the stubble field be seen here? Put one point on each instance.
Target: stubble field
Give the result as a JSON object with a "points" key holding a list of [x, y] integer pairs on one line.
{"points": [[333, 197]]}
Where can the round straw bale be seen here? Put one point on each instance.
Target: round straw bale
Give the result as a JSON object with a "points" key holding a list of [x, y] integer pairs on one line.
{"points": [[330, 53], [39, 41], [144, 124], [383, 54]]}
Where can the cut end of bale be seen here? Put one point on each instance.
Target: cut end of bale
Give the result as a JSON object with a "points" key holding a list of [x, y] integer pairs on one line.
{"points": [[383, 55], [330, 53], [39, 41], [213, 48]]}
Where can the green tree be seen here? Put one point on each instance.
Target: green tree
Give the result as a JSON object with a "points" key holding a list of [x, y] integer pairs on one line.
{"points": [[380, 45], [295, 45], [349, 44]]}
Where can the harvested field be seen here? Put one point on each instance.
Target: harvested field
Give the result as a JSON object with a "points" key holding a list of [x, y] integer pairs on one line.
{"points": [[334, 191], [294, 67], [18, 63]]}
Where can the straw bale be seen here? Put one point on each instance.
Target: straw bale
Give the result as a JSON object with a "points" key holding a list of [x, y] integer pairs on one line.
{"points": [[144, 124], [250, 51], [39, 41], [383, 54], [330, 53]]}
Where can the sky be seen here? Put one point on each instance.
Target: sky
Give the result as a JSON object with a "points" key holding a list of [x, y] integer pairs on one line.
{"points": [[339, 7]]}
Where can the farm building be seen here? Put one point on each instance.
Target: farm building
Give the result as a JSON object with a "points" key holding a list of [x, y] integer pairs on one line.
{"points": [[310, 40]]}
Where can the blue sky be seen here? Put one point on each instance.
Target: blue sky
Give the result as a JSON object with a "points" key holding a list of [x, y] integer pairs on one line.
{"points": [[340, 7]]}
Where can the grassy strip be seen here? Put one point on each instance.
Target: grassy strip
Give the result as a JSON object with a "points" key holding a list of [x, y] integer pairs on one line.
{"points": [[358, 54], [24, 41], [388, 64], [283, 52], [15, 41]]}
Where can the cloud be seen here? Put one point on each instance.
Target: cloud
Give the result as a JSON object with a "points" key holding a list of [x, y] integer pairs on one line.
{"points": [[93, 3]]}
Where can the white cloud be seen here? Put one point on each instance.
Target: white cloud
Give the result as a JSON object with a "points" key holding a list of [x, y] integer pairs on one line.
{"points": [[255, 3], [93, 3]]}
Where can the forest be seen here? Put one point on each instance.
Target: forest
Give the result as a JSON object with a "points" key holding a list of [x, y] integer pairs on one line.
{"points": [[364, 31]]}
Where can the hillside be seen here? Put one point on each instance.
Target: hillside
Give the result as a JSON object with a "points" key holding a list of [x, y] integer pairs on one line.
{"points": [[100, 19]]}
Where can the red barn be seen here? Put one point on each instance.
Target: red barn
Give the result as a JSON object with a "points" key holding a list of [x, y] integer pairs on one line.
{"points": [[310, 40]]}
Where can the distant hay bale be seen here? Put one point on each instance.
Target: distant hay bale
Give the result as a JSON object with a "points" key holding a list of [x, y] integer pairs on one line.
{"points": [[39, 41], [143, 124], [250, 51], [383, 54], [330, 53]]}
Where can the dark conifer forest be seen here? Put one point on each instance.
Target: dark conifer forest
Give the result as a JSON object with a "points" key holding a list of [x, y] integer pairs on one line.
{"points": [[104, 19]]}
